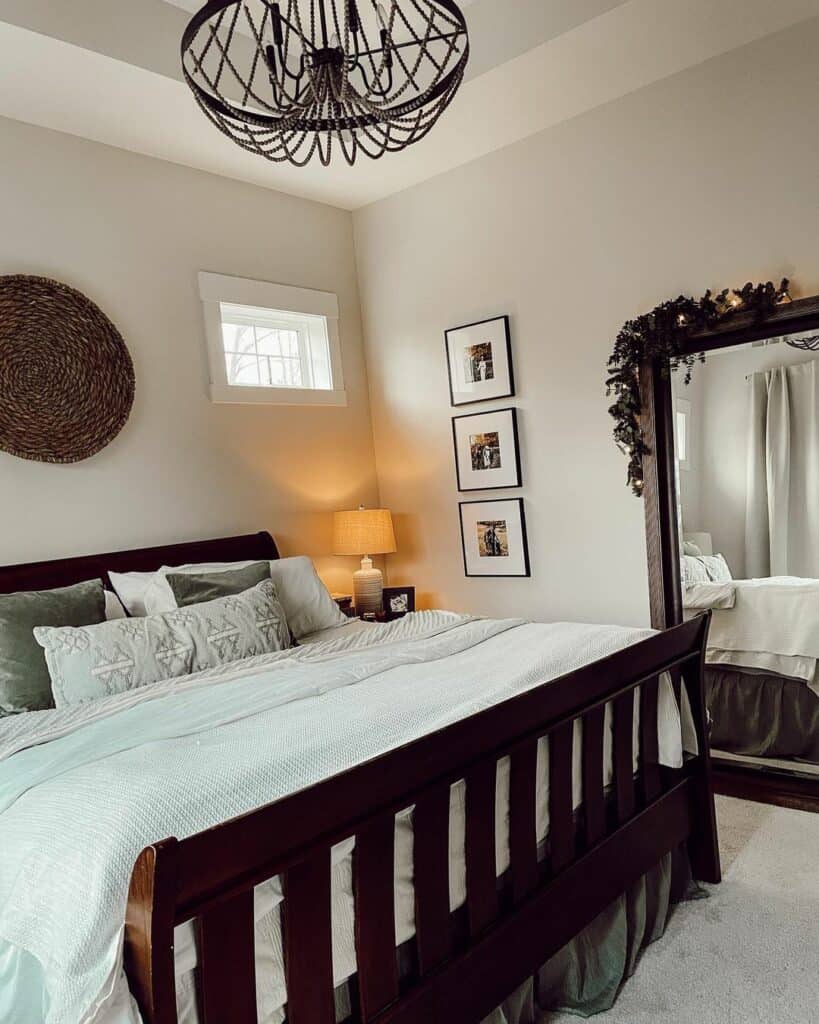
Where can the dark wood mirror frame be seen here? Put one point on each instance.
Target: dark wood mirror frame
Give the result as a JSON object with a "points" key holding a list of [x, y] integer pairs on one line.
{"points": [[786, 788]]}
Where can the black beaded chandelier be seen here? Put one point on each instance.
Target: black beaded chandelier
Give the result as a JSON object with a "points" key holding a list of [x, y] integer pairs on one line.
{"points": [[305, 78]]}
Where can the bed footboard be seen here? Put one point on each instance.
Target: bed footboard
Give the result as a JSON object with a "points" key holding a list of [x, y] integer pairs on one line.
{"points": [[211, 876]]}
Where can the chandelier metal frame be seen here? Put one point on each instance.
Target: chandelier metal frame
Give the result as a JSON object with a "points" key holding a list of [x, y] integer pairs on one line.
{"points": [[303, 78]]}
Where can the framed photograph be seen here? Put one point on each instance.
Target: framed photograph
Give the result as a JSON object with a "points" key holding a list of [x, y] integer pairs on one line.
{"points": [[398, 601], [487, 454], [479, 357], [493, 537]]}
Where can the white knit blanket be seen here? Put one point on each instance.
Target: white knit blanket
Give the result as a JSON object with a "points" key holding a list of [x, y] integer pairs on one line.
{"points": [[83, 790]]}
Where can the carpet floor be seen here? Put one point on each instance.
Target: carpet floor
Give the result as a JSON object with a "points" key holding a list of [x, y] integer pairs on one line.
{"points": [[749, 954]]}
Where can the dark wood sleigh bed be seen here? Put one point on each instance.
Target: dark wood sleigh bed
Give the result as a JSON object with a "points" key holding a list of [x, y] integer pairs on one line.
{"points": [[513, 928]]}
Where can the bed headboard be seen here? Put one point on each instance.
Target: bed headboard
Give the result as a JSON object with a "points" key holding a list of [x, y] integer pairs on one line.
{"points": [[63, 572]]}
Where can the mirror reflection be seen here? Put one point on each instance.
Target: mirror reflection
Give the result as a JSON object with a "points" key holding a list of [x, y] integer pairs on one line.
{"points": [[747, 447]]}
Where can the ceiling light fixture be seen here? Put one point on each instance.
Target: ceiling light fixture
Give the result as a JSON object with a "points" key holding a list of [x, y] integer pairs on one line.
{"points": [[306, 78]]}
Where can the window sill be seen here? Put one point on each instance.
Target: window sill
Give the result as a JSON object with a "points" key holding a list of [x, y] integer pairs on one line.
{"points": [[232, 395]]}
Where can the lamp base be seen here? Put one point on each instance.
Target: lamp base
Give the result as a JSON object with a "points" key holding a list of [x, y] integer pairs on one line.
{"points": [[368, 588]]}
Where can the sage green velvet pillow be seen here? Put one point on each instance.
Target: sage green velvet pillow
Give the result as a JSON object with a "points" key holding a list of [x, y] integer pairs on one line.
{"points": [[25, 684], [112, 657], [196, 588]]}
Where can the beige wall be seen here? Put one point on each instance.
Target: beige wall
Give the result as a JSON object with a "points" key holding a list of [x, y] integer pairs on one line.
{"points": [[705, 179], [132, 232]]}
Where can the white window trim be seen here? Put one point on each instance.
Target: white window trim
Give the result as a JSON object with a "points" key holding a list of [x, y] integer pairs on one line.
{"points": [[215, 289]]}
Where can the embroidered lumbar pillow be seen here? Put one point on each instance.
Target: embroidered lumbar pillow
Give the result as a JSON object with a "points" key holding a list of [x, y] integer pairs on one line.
{"points": [[97, 661]]}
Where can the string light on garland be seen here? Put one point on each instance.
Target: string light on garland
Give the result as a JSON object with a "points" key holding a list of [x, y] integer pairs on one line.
{"points": [[304, 78], [660, 335]]}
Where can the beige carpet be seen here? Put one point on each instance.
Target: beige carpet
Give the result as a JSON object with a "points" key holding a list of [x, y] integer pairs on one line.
{"points": [[750, 953]]}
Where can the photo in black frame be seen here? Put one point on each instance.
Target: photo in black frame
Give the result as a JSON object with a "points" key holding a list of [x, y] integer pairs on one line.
{"points": [[487, 450], [493, 538], [479, 361], [398, 601]]}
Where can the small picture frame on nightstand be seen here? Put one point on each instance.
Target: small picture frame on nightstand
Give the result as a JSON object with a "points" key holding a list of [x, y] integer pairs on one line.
{"points": [[398, 602]]}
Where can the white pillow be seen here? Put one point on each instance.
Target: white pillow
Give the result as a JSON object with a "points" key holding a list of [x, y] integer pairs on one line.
{"points": [[305, 600]]}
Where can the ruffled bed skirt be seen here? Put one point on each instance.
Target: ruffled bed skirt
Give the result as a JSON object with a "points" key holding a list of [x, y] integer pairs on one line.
{"points": [[586, 975], [762, 715]]}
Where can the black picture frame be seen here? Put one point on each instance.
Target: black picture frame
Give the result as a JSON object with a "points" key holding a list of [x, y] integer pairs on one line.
{"points": [[515, 441], [527, 568], [393, 592], [504, 319]]}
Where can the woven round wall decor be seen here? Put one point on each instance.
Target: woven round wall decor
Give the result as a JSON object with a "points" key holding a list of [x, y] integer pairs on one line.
{"points": [[66, 376]]}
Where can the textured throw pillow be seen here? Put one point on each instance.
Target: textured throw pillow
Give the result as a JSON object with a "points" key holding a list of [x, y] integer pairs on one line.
{"points": [[690, 548], [96, 661], [24, 679], [196, 588]]}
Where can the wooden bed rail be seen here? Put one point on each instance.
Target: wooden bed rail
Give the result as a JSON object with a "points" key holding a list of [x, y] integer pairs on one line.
{"points": [[512, 928]]}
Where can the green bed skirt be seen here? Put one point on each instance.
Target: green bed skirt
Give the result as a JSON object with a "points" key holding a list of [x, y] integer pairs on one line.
{"points": [[586, 975]]}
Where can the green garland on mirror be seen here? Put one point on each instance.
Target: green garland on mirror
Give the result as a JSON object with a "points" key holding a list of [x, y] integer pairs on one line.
{"points": [[659, 335]]}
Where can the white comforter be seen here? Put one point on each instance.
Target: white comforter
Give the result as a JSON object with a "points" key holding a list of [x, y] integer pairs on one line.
{"points": [[83, 790]]}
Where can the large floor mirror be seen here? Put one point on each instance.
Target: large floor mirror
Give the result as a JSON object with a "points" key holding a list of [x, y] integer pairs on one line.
{"points": [[732, 514]]}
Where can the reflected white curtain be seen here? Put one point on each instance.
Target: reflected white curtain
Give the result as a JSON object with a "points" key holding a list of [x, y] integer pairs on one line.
{"points": [[782, 505]]}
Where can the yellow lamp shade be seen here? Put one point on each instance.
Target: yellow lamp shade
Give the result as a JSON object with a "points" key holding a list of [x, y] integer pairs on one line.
{"points": [[365, 531]]}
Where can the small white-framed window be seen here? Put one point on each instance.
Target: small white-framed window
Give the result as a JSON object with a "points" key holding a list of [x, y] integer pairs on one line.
{"points": [[682, 432], [271, 343]]}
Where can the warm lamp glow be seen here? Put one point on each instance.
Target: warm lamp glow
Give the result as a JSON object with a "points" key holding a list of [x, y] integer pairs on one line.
{"points": [[366, 531]]}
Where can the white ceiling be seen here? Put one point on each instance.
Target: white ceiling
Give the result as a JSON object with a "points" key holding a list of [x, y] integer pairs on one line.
{"points": [[108, 70]]}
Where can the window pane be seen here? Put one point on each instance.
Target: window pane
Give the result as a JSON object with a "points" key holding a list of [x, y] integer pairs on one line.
{"points": [[268, 342], [242, 369], [238, 338]]}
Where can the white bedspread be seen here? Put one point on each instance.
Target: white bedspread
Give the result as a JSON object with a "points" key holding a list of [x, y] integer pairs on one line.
{"points": [[83, 790]]}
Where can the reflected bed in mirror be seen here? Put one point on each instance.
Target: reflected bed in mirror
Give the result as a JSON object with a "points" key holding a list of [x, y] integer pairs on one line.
{"points": [[742, 477]]}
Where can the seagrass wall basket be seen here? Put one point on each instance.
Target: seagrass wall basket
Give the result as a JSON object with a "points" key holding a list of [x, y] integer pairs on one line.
{"points": [[66, 376]]}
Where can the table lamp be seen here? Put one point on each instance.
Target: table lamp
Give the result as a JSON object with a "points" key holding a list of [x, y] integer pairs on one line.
{"points": [[365, 532]]}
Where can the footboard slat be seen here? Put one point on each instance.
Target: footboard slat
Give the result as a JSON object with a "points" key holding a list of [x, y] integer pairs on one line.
{"points": [[649, 740], [433, 931], [481, 872], [523, 820], [561, 822], [375, 916], [594, 797], [227, 968], [623, 709], [308, 941]]}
